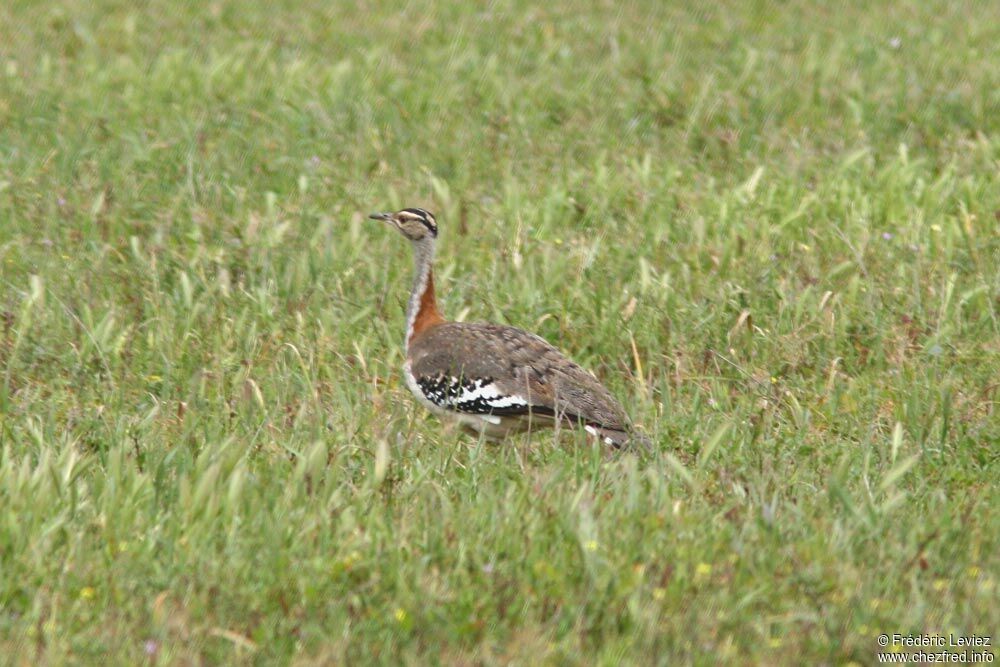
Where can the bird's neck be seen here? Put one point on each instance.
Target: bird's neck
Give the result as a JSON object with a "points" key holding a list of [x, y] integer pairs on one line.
{"points": [[422, 311]]}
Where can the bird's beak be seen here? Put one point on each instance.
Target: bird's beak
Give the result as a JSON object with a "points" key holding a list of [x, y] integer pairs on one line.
{"points": [[385, 217]]}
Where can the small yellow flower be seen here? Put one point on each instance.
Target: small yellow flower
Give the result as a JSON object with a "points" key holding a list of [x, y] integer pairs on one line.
{"points": [[940, 584], [400, 615], [87, 593], [591, 545], [659, 593], [702, 571], [936, 228]]}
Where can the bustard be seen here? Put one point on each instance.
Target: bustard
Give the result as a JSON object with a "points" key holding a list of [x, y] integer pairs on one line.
{"points": [[494, 379]]}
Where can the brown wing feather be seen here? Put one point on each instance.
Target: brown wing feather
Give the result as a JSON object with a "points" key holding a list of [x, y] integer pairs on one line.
{"points": [[521, 364]]}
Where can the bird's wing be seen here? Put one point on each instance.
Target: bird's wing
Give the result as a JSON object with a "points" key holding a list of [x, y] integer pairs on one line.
{"points": [[492, 369]]}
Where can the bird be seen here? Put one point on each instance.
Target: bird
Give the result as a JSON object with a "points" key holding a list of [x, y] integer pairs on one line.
{"points": [[492, 379]]}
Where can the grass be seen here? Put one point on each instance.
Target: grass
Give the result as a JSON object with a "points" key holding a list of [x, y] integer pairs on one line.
{"points": [[772, 229]]}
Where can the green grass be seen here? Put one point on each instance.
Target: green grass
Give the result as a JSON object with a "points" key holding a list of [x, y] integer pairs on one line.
{"points": [[770, 228]]}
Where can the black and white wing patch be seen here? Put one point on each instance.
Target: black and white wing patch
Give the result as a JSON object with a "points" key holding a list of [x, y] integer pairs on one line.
{"points": [[478, 396]]}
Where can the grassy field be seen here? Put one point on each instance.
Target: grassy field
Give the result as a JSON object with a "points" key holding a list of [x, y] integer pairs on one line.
{"points": [[770, 228]]}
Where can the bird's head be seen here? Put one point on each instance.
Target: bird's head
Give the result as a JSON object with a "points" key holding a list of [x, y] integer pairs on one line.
{"points": [[415, 224]]}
